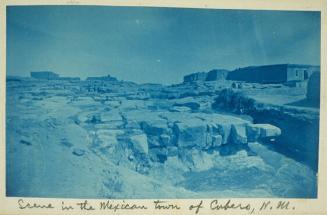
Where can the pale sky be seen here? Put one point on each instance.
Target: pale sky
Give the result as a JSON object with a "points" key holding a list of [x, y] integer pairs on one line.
{"points": [[158, 45]]}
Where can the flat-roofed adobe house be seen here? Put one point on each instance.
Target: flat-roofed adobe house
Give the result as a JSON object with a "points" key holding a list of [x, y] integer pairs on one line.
{"points": [[212, 75], [45, 75], [102, 78], [278, 73], [198, 76], [217, 74]]}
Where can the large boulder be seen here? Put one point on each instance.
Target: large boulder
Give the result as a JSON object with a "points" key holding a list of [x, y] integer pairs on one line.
{"points": [[191, 133], [155, 127], [267, 130], [259, 131]]}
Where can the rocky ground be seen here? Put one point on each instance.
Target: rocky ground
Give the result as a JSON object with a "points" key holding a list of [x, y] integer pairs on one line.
{"points": [[119, 139]]}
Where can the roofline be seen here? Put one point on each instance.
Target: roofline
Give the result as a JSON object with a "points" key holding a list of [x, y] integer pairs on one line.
{"points": [[282, 64]]}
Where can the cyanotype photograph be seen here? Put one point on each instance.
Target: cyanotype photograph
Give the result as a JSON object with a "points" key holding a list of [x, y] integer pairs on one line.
{"points": [[161, 103]]}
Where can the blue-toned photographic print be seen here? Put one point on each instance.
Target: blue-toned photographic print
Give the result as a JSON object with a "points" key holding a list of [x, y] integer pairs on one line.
{"points": [[146, 102]]}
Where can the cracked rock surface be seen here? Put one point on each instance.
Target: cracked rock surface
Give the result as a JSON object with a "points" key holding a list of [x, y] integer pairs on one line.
{"points": [[123, 140]]}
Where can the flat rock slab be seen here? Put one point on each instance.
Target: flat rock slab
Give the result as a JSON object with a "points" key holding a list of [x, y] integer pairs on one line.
{"points": [[263, 131]]}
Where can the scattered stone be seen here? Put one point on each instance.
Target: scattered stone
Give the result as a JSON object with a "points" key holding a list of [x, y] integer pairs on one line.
{"points": [[78, 152], [94, 119], [131, 157], [65, 142], [26, 142]]}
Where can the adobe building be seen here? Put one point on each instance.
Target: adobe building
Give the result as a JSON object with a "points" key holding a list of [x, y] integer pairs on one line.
{"points": [[212, 75], [69, 78], [278, 73], [44, 75], [217, 74], [102, 78], [198, 76]]}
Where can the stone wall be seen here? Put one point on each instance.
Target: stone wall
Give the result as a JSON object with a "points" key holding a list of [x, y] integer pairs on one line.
{"points": [[313, 89], [260, 74], [279, 73]]}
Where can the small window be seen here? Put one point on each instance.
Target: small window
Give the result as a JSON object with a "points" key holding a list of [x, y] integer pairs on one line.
{"points": [[296, 73]]}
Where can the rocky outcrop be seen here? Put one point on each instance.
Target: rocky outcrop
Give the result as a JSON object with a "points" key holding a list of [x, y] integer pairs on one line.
{"points": [[256, 131], [164, 134], [195, 135], [190, 133], [217, 74], [157, 135], [288, 123]]}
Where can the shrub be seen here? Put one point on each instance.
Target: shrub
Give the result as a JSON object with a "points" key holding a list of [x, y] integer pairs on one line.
{"points": [[234, 101]]}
